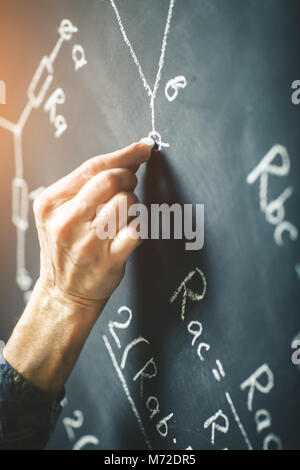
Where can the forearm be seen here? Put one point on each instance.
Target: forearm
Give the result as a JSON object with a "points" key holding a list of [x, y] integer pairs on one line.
{"points": [[48, 338]]}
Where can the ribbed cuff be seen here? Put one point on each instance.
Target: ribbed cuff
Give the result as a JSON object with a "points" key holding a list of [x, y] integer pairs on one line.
{"points": [[27, 414]]}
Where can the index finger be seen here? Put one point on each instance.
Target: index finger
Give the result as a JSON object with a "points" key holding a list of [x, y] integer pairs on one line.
{"points": [[130, 157]]}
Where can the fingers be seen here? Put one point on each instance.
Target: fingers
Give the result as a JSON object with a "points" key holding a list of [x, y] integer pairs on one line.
{"points": [[101, 188], [130, 157], [124, 244], [124, 238], [113, 216]]}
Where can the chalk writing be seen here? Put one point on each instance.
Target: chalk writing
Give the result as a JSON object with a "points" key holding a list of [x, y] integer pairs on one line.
{"points": [[212, 421], [274, 210], [187, 292], [36, 93], [147, 372], [219, 421], [220, 372], [174, 85], [71, 424], [261, 380], [296, 94], [296, 354], [152, 92], [85, 440]]}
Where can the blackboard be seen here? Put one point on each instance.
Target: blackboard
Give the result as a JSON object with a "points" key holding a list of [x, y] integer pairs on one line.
{"points": [[209, 331]]}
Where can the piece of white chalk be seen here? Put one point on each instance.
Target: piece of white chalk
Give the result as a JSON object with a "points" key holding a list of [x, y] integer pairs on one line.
{"points": [[148, 141]]}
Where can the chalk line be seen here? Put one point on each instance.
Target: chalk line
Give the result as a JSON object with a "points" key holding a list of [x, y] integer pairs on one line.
{"points": [[238, 421], [151, 92], [125, 388]]}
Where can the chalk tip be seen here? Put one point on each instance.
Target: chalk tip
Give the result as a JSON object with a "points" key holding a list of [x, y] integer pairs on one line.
{"points": [[148, 141]]}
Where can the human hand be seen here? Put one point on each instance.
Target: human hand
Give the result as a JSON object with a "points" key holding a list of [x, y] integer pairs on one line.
{"points": [[75, 264]]}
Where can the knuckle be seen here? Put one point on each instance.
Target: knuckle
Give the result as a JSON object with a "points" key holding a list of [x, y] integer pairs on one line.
{"points": [[131, 178], [62, 224], [112, 182], [133, 199], [90, 167], [96, 164], [85, 169], [130, 198], [60, 230], [41, 206]]}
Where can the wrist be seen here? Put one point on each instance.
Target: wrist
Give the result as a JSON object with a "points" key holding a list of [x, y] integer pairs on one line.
{"points": [[73, 306], [49, 336]]}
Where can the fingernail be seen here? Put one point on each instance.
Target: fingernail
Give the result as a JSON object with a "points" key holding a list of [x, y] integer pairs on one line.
{"points": [[148, 141]]}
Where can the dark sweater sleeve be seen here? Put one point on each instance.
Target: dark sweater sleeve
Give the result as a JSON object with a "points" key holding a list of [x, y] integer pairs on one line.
{"points": [[27, 414]]}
